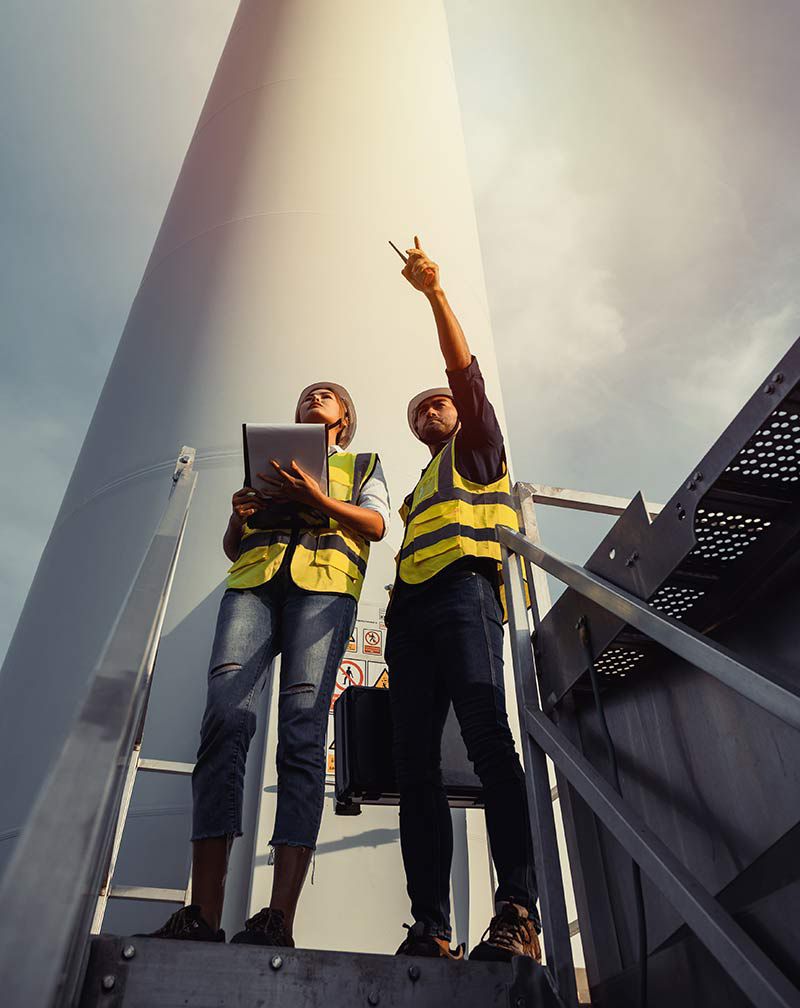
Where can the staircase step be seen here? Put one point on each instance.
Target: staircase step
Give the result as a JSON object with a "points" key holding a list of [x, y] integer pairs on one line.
{"points": [[157, 973]]}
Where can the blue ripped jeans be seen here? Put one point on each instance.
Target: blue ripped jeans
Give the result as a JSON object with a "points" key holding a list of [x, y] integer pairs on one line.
{"points": [[310, 630]]}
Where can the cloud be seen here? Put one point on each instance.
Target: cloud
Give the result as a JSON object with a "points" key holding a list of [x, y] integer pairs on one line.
{"points": [[739, 351], [555, 308]]}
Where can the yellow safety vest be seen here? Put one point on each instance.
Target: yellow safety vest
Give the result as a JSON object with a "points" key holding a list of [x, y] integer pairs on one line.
{"points": [[448, 517], [330, 558]]}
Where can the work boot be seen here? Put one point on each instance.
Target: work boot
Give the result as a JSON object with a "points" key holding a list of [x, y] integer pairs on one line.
{"points": [[186, 924], [267, 927], [420, 943], [510, 933]]}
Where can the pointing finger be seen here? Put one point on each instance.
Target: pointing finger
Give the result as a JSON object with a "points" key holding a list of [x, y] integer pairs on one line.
{"points": [[416, 242]]}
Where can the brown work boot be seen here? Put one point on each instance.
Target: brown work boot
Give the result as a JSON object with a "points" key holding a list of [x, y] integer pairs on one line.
{"points": [[511, 933], [267, 927], [420, 943]]}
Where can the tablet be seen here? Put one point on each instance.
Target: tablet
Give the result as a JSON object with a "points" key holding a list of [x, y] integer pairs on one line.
{"points": [[307, 444]]}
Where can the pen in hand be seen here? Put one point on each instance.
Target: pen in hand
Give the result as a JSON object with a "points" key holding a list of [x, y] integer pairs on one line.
{"points": [[397, 250]]}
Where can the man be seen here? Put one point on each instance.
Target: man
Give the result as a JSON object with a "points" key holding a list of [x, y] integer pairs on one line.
{"points": [[445, 644]]}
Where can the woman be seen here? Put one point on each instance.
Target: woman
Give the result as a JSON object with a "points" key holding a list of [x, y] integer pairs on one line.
{"points": [[291, 591]]}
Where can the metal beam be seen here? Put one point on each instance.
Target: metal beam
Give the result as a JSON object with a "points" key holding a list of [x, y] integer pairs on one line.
{"points": [[148, 893], [50, 886], [672, 634], [581, 500], [165, 766], [752, 971], [161, 974]]}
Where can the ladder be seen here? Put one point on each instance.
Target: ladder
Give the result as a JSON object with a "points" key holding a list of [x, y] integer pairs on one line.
{"points": [[136, 764], [134, 892]]}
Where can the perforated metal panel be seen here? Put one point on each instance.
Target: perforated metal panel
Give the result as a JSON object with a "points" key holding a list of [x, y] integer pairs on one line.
{"points": [[773, 452], [618, 662], [675, 600], [724, 536]]}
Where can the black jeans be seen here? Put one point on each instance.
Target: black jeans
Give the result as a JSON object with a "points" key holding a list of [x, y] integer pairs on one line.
{"points": [[445, 643]]}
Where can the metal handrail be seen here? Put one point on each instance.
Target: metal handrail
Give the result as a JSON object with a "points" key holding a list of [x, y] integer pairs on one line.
{"points": [[44, 927], [752, 971], [552, 904]]}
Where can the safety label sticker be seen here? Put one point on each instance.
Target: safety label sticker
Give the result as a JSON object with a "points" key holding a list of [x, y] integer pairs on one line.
{"points": [[373, 642], [350, 673], [378, 675], [351, 644]]}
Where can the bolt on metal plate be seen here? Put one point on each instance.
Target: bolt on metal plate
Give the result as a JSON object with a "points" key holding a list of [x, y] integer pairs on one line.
{"points": [[108, 982]]}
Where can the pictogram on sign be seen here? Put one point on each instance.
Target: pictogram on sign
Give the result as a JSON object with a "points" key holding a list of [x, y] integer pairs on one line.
{"points": [[373, 642], [351, 644], [350, 673], [382, 681]]}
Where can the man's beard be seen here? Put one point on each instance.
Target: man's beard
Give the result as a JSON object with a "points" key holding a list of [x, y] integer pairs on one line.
{"points": [[438, 435]]}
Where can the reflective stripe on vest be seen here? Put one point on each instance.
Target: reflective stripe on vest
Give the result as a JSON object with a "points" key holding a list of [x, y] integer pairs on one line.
{"points": [[448, 517], [330, 558]]}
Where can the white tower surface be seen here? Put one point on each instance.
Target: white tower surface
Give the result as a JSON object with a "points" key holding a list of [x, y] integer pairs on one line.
{"points": [[329, 128]]}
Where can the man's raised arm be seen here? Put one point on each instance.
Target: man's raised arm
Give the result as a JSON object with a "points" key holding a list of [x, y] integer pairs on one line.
{"points": [[423, 273]]}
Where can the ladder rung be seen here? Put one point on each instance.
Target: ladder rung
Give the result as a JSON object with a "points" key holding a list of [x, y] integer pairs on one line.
{"points": [[131, 892], [165, 766]]}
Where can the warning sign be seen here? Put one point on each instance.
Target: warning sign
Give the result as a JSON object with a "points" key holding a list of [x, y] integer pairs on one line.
{"points": [[382, 682], [331, 763], [351, 644], [350, 673], [373, 642]]}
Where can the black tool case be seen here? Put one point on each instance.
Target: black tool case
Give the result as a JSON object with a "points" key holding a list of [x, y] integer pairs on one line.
{"points": [[364, 766]]}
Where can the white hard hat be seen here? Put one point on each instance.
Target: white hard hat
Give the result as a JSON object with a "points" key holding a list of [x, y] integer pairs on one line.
{"points": [[417, 401], [348, 432]]}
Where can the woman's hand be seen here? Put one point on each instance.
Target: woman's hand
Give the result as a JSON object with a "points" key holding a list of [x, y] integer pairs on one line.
{"points": [[245, 503], [297, 485]]}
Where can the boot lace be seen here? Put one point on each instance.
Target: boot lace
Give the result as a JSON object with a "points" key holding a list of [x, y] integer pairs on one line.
{"points": [[507, 930], [182, 920]]}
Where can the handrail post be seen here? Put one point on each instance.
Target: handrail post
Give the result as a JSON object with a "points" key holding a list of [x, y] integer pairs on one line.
{"points": [[540, 803]]}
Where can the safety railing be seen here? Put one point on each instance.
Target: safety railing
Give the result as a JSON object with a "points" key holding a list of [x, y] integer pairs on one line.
{"points": [[746, 964], [49, 890]]}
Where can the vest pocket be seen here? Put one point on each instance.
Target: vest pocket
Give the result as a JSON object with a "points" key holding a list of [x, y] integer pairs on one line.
{"points": [[327, 554]]}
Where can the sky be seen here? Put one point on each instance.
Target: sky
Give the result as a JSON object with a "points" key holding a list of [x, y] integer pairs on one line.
{"points": [[634, 165]]}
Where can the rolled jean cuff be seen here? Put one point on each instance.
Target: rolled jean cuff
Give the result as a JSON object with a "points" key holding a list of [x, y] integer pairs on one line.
{"points": [[434, 931], [292, 843], [204, 835]]}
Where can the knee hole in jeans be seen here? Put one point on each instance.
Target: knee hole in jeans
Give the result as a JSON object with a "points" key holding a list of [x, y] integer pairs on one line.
{"points": [[304, 687], [225, 667]]}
